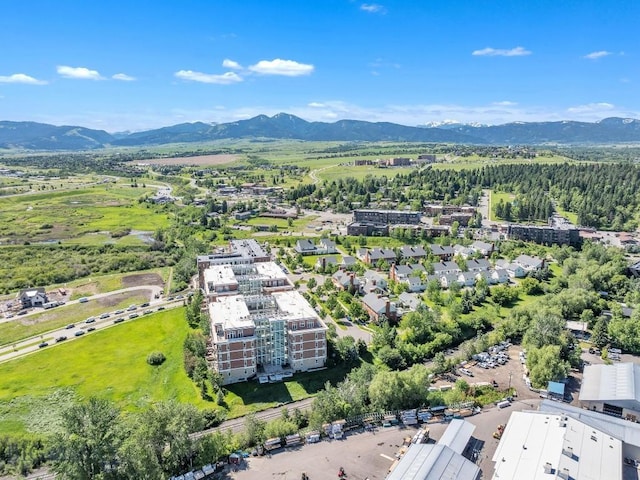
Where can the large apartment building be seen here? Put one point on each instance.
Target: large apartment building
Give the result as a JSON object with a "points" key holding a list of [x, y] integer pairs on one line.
{"points": [[387, 217], [545, 235], [259, 324]]}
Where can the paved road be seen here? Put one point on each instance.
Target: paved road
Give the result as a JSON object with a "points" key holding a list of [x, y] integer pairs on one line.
{"points": [[30, 345]]}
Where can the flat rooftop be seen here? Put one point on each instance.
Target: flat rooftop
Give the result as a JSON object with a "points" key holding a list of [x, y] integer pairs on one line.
{"points": [[231, 312], [295, 306], [220, 275], [565, 445], [270, 270]]}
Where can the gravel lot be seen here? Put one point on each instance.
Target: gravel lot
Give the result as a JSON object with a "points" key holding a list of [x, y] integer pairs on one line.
{"points": [[370, 454]]}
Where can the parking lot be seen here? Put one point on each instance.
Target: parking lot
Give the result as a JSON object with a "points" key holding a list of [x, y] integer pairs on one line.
{"points": [[370, 454]]}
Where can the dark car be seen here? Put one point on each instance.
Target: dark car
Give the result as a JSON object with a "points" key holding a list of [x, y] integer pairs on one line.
{"points": [[91, 329], [160, 309], [70, 326], [118, 320], [79, 333], [61, 339], [146, 304], [22, 312], [43, 344], [90, 320]]}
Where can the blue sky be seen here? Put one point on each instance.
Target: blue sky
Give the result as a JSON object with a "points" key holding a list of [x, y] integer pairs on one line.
{"points": [[138, 64]]}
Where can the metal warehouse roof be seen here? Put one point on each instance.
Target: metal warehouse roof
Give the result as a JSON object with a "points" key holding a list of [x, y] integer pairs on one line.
{"points": [[611, 382], [457, 435], [433, 462]]}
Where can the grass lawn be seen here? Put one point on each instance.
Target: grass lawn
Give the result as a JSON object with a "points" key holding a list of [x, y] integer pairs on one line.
{"points": [[109, 364], [20, 328], [243, 398], [494, 199]]}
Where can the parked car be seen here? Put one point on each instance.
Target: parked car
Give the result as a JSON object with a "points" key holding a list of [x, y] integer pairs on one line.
{"points": [[83, 300]]}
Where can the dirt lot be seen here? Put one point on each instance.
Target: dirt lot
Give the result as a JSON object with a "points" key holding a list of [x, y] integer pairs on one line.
{"points": [[370, 454], [142, 279], [116, 299], [200, 161]]}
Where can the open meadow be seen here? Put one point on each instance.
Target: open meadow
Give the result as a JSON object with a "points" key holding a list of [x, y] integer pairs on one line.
{"points": [[110, 210]]}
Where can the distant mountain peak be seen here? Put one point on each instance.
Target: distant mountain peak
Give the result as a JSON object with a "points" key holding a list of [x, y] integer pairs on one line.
{"points": [[40, 136]]}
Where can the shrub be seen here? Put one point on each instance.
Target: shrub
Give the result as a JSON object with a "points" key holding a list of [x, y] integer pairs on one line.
{"points": [[156, 358]]}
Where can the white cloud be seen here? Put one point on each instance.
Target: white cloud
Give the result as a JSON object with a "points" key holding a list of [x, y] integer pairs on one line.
{"points": [[233, 65], [21, 78], [288, 68], [591, 108], [597, 55], [501, 52], [373, 8], [81, 73], [123, 77], [226, 78], [504, 103], [315, 105]]}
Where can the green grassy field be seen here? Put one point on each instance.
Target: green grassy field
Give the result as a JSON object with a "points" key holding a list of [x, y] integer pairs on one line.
{"points": [[20, 328], [109, 364], [494, 199], [76, 214], [108, 283]]}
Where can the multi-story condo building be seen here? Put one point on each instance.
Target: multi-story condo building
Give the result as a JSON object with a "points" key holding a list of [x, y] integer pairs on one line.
{"points": [[259, 324], [387, 217], [546, 235]]}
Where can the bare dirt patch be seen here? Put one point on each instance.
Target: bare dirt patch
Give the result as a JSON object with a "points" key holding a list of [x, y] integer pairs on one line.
{"points": [[114, 300], [200, 161], [142, 279], [88, 289]]}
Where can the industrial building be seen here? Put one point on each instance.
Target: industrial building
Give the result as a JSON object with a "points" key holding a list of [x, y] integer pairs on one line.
{"points": [[440, 461], [612, 389], [545, 445], [259, 324]]}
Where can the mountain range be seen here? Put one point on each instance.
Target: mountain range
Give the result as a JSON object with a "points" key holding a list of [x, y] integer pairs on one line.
{"points": [[40, 136]]}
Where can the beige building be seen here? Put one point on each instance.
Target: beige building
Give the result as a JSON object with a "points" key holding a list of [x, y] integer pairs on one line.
{"points": [[259, 324]]}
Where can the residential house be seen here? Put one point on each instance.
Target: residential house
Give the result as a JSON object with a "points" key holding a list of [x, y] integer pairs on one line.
{"points": [[305, 247], [513, 269], [484, 248], [529, 264], [500, 275], [410, 300], [480, 265], [415, 284], [374, 281], [444, 268], [33, 297], [348, 261], [374, 255], [467, 279], [444, 253], [402, 272], [324, 262], [346, 280], [448, 279], [408, 252], [377, 306], [464, 252], [326, 245], [488, 276]]}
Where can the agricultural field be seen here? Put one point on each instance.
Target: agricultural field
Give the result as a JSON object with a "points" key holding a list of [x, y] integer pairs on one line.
{"points": [[198, 161], [106, 210]]}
